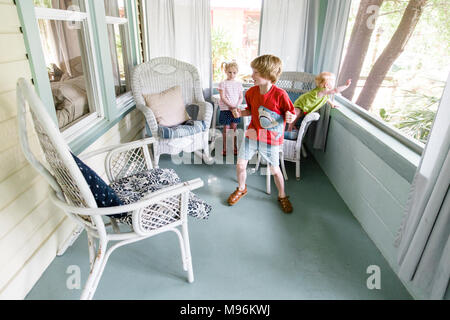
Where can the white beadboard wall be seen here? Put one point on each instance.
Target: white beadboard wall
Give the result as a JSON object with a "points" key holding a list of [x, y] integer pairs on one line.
{"points": [[31, 228]]}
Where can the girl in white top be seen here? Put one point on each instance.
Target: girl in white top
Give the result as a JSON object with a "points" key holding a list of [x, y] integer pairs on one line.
{"points": [[231, 97]]}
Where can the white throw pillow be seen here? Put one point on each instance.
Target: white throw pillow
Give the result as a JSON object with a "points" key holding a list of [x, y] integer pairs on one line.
{"points": [[167, 106]]}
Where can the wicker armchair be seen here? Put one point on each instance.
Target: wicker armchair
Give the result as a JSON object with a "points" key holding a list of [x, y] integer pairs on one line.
{"points": [[160, 74], [295, 84], [165, 209]]}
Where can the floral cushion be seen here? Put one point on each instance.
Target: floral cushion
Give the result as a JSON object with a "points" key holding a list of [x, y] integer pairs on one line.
{"points": [[133, 188]]}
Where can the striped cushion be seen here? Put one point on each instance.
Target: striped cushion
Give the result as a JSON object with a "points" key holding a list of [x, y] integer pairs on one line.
{"points": [[188, 128], [291, 135]]}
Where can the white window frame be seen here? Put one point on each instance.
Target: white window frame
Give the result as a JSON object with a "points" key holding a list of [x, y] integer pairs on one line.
{"points": [[125, 98], [94, 97]]}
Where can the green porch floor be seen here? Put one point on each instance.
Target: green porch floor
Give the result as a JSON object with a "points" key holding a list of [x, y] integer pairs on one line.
{"points": [[249, 251]]}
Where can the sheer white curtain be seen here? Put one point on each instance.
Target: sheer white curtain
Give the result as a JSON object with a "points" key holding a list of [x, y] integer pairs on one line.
{"points": [[61, 42], [424, 237], [112, 9], [181, 29], [329, 56], [289, 30]]}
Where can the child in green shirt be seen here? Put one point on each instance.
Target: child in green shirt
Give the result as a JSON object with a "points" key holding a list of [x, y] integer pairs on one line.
{"points": [[315, 99]]}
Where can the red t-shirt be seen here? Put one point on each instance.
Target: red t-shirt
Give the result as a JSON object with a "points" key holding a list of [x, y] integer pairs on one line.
{"points": [[268, 114]]}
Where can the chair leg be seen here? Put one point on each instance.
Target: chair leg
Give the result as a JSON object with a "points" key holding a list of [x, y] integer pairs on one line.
{"points": [[258, 162], [74, 236], [304, 153], [182, 249], [187, 248], [156, 164], [91, 245], [95, 274], [207, 158], [297, 169], [283, 168]]}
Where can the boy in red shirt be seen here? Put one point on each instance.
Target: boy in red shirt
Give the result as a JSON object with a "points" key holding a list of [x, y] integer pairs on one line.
{"points": [[270, 108]]}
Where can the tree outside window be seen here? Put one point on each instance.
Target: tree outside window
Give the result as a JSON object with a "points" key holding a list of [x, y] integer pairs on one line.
{"points": [[398, 55]]}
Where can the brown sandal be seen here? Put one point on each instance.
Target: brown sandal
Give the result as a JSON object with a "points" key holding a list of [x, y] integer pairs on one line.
{"points": [[236, 195], [286, 205]]}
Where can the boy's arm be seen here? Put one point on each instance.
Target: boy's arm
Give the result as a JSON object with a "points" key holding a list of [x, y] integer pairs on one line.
{"points": [[342, 88], [331, 103], [289, 109], [335, 90], [237, 113]]}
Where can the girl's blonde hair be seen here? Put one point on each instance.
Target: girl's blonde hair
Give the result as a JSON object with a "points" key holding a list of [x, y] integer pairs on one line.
{"points": [[268, 66], [227, 65], [323, 78]]}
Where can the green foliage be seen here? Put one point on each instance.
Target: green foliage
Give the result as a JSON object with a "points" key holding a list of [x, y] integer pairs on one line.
{"points": [[222, 50], [418, 72], [43, 3], [416, 117]]}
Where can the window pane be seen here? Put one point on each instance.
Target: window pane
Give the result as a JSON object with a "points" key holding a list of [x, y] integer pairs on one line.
{"points": [[65, 55], [401, 87], [117, 34], [115, 8], [235, 35], [74, 5]]}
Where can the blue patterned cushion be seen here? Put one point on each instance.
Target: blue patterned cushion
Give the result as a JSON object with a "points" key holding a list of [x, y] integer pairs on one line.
{"points": [[133, 188], [188, 128], [293, 95], [104, 195]]}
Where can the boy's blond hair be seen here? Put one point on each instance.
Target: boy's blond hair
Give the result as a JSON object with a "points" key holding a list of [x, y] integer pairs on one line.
{"points": [[323, 77], [268, 66], [228, 65]]}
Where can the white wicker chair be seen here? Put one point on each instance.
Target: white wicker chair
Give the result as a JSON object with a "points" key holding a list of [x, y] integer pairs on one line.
{"points": [[70, 191], [297, 83], [160, 74]]}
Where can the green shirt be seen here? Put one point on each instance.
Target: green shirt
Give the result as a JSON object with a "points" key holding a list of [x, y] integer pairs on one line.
{"points": [[310, 102]]}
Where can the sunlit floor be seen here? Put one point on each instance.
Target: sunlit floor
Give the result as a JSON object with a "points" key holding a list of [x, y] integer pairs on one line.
{"points": [[249, 251]]}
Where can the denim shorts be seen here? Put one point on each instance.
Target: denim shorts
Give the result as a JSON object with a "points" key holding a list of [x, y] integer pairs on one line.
{"points": [[226, 118], [271, 153]]}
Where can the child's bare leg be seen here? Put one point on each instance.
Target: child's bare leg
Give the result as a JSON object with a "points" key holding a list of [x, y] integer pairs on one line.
{"points": [[241, 172], [279, 180], [234, 127], [224, 135], [241, 190], [286, 205], [298, 114]]}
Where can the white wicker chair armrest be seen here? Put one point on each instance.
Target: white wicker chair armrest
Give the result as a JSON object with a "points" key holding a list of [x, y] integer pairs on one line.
{"points": [[309, 118], [152, 198], [149, 118], [118, 147]]}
